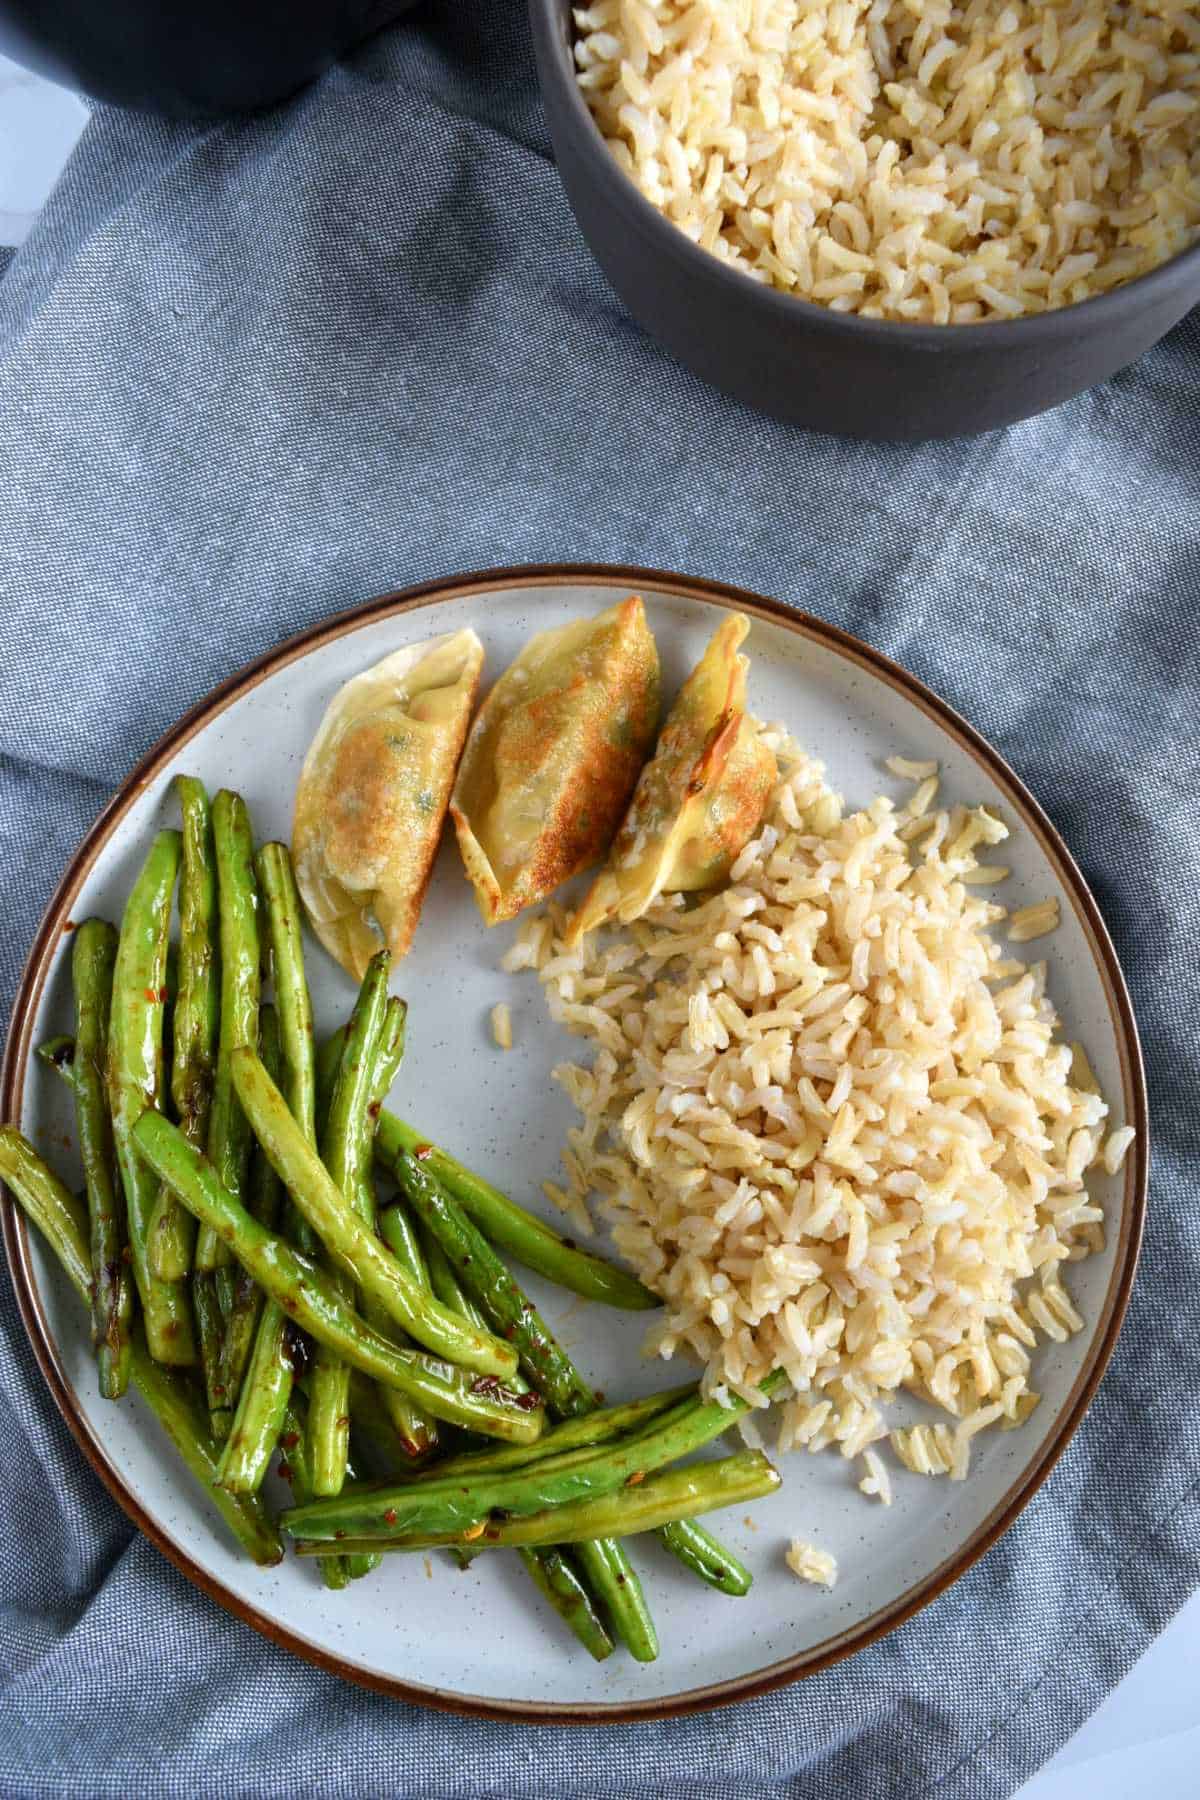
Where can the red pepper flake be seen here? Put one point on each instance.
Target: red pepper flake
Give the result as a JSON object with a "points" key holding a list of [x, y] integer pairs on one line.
{"points": [[70, 926], [390, 1516], [374, 1109], [150, 994], [289, 1440], [285, 1469], [164, 994], [636, 1479], [423, 1151], [339, 1534]]}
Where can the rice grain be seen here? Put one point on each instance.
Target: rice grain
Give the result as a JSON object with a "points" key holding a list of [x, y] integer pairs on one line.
{"points": [[932, 160], [834, 1127]]}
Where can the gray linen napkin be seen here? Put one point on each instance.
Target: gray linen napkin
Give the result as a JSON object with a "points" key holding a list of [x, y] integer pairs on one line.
{"points": [[253, 373]]}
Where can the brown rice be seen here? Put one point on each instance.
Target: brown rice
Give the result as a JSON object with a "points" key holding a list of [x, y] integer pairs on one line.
{"points": [[834, 1126], [909, 159], [810, 1563]]}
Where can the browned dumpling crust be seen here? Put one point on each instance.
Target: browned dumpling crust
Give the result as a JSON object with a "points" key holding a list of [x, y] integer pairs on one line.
{"points": [[373, 794], [553, 757], [700, 800]]}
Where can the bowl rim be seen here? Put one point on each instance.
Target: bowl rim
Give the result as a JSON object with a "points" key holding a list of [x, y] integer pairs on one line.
{"points": [[1063, 322], [46, 947]]}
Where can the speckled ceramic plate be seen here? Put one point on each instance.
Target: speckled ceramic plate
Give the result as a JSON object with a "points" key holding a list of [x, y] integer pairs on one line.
{"points": [[480, 1641]]}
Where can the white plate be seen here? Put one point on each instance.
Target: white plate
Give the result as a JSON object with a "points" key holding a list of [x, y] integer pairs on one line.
{"points": [[482, 1640]]}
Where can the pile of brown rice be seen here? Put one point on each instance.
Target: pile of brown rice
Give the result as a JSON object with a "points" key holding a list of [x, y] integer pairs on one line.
{"points": [[832, 1123], [909, 159]]}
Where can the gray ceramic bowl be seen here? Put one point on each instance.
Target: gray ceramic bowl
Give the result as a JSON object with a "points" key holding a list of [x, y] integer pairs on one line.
{"points": [[833, 371]]}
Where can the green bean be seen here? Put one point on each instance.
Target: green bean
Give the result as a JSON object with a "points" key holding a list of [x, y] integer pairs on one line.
{"points": [[210, 1329], [390, 1056], [373, 1436], [328, 1062], [306, 1294], [346, 1140], [135, 1080], [267, 1385], [442, 1279], [548, 1568], [415, 1429], [59, 1217], [453, 1502], [56, 1212], [93, 957], [265, 1199], [225, 1283], [399, 1234], [605, 1562], [345, 1151], [511, 1228], [296, 1469], [241, 980], [551, 1572], [547, 1365], [262, 1404], [179, 1412], [671, 1494], [171, 995], [702, 1553], [353, 1247], [196, 1021], [599, 1427], [392, 1041], [489, 1283], [281, 902]]}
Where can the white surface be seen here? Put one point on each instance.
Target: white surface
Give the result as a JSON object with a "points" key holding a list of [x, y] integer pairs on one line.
{"points": [[424, 1631], [39, 124], [1145, 1739]]}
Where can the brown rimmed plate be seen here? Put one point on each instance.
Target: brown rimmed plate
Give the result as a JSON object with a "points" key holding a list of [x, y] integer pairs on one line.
{"points": [[478, 1642]]}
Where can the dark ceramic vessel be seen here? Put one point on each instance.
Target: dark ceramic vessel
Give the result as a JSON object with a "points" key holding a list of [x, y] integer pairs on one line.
{"points": [[833, 371], [209, 56]]}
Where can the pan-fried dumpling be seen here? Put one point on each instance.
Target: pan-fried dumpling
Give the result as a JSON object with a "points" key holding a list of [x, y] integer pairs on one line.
{"points": [[373, 794], [553, 757], [700, 800]]}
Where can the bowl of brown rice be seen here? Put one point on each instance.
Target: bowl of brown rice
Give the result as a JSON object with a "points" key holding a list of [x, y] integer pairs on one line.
{"points": [[886, 218]]}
